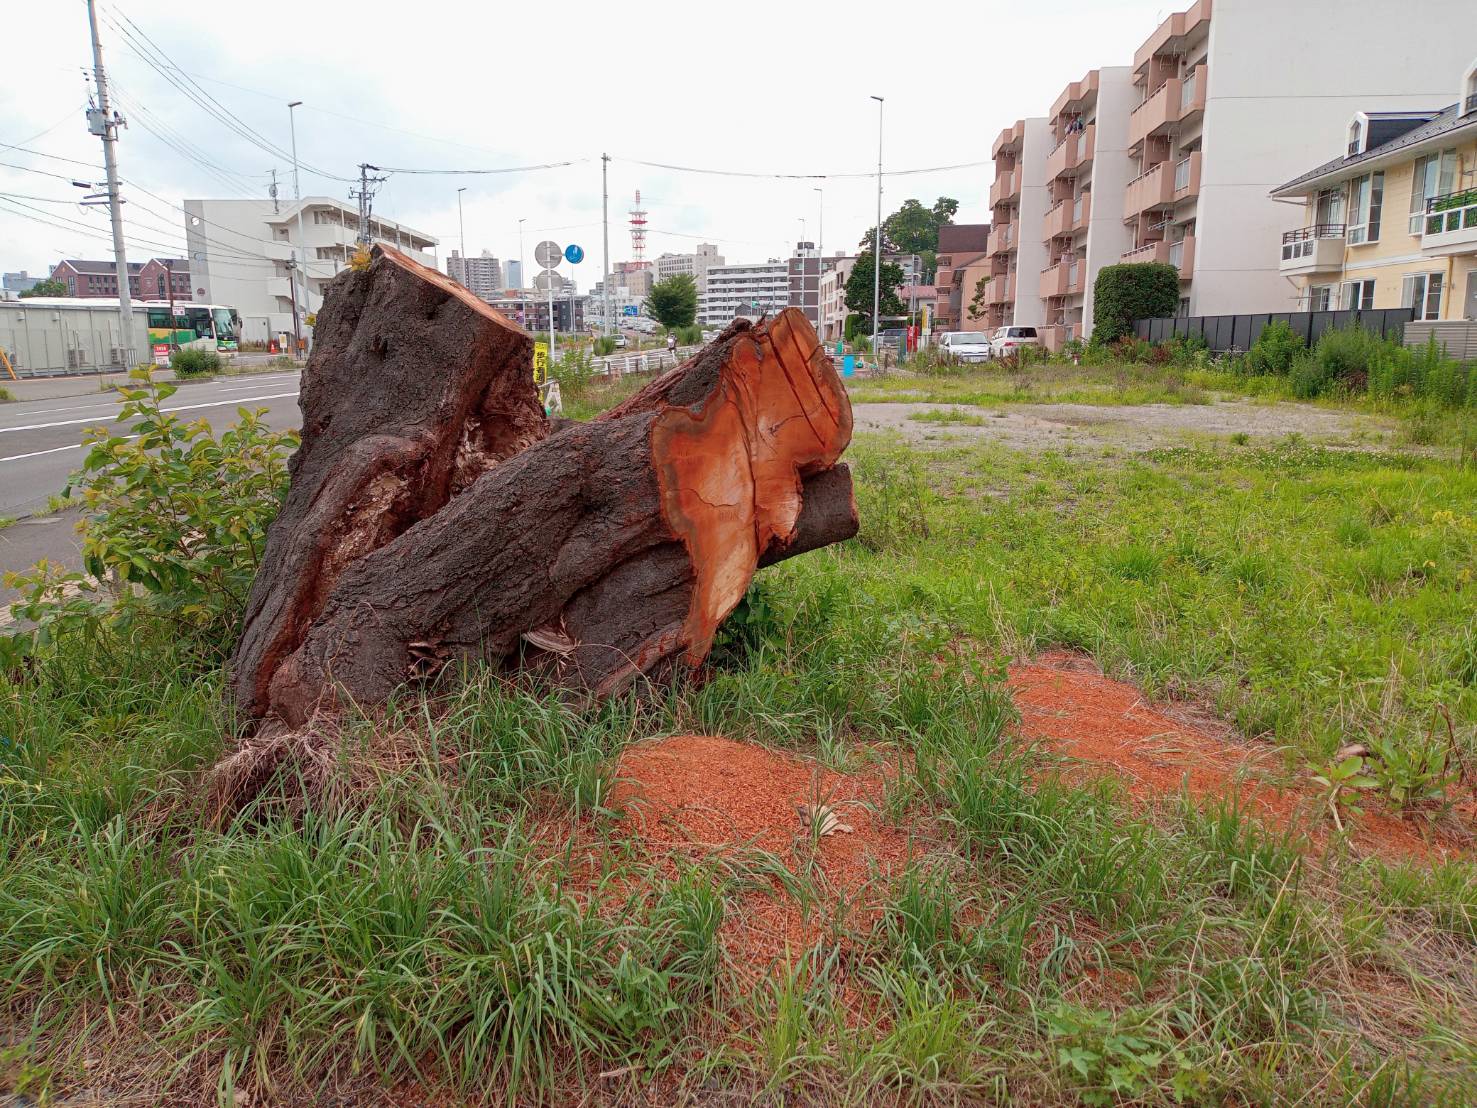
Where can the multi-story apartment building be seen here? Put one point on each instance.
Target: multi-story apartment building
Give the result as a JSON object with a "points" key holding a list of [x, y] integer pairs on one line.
{"points": [[1392, 221], [1017, 206], [155, 279], [18, 282], [482, 277], [832, 324], [750, 290], [806, 267], [241, 253], [695, 264], [1222, 100], [514, 276], [1089, 129], [531, 310], [963, 259]]}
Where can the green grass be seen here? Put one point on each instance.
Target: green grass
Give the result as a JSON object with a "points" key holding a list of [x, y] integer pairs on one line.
{"points": [[6, 395], [1041, 383], [1046, 945]]}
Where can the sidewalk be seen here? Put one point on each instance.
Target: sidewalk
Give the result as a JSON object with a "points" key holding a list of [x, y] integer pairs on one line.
{"points": [[91, 384]]}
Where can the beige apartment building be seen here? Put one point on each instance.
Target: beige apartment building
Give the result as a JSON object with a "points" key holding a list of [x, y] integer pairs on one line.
{"points": [[1220, 105], [1392, 221], [1017, 206]]}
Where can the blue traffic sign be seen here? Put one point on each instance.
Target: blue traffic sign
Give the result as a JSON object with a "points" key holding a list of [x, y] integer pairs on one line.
{"points": [[630, 309], [574, 254]]}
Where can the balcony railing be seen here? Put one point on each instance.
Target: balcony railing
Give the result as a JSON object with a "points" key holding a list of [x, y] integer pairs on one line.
{"points": [[1149, 252], [1182, 175], [1303, 242], [1187, 91], [1455, 211]]}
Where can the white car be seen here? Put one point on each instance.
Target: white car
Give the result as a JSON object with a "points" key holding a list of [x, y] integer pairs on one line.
{"points": [[1009, 340], [967, 346]]}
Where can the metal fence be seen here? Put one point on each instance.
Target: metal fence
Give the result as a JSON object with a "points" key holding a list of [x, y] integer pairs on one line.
{"points": [[1223, 333]]}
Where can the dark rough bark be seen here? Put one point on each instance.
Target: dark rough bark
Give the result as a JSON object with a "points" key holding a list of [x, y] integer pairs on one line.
{"points": [[415, 388], [432, 520]]}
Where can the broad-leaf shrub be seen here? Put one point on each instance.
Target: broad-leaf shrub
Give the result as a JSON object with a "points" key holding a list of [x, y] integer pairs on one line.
{"points": [[1275, 350], [176, 520], [193, 361]]}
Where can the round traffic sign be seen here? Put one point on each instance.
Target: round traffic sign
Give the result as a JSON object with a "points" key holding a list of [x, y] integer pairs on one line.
{"points": [[548, 281], [548, 253], [574, 254]]}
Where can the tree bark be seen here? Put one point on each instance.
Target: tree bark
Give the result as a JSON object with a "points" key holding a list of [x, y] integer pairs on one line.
{"points": [[431, 516]]}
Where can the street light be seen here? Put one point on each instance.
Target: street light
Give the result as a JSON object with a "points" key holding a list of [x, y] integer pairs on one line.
{"points": [[300, 267], [462, 223], [877, 242], [820, 251], [522, 277]]}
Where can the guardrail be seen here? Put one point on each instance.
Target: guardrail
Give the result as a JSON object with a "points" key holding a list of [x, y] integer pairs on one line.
{"points": [[1302, 242]]}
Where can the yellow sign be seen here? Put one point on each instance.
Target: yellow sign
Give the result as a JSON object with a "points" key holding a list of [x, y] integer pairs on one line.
{"points": [[540, 362]]}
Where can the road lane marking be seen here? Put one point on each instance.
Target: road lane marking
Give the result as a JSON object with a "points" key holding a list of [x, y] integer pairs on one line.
{"points": [[112, 405], [54, 450], [239, 401]]}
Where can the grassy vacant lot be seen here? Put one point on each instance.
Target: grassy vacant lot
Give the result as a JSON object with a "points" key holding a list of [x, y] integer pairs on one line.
{"points": [[482, 921]]}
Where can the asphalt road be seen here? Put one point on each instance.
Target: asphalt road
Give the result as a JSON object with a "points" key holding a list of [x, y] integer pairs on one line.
{"points": [[41, 445]]}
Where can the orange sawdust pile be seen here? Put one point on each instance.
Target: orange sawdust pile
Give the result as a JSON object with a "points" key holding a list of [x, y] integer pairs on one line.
{"points": [[696, 796], [1068, 706]]}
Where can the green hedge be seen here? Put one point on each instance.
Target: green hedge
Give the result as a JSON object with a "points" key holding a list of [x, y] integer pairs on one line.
{"points": [[1134, 290]]}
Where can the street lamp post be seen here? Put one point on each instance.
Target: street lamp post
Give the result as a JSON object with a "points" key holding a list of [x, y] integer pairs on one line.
{"points": [[522, 277], [877, 242], [820, 251], [462, 226], [300, 249]]}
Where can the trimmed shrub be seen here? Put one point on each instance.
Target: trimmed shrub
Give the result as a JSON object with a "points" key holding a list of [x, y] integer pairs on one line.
{"points": [[690, 335], [1135, 290], [194, 362]]}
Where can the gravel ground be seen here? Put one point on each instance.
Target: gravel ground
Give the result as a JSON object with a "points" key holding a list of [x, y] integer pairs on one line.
{"points": [[1129, 427]]}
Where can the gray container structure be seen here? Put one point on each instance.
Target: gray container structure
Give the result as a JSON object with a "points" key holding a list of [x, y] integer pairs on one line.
{"points": [[49, 336]]}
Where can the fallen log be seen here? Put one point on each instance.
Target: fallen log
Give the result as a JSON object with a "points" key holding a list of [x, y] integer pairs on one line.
{"points": [[434, 520]]}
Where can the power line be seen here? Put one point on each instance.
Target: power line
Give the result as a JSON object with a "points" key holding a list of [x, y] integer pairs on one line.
{"points": [[159, 60], [53, 157], [38, 172], [485, 172]]}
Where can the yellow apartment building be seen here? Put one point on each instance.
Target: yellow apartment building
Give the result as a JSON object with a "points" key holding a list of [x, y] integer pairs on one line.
{"points": [[1392, 221]]}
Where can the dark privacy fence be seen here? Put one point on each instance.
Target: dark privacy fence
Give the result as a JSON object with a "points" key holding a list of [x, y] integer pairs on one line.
{"points": [[1238, 332]]}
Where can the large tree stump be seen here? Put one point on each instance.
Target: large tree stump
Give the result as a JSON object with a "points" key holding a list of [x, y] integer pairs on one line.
{"points": [[432, 516]]}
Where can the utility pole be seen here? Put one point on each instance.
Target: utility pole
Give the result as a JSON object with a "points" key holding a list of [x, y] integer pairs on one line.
{"points": [[272, 192], [105, 123], [877, 244], [522, 277], [297, 195], [605, 223], [820, 253], [365, 196], [169, 282]]}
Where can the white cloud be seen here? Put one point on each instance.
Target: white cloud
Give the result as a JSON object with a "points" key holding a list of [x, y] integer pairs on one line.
{"points": [[445, 84]]}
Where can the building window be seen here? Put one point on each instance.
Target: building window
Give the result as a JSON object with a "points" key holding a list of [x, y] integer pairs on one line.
{"points": [[1329, 209], [1422, 292], [1320, 298], [1356, 137], [71, 286], [1435, 175], [1366, 198], [1358, 295], [162, 294]]}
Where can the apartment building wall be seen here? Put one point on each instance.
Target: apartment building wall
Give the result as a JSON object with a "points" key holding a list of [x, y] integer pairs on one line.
{"points": [[1402, 263], [1027, 308], [240, 249], [1280, 76], [735, 290]]}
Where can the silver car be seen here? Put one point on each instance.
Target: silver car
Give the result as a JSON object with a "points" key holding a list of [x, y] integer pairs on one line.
{"points": [[966, 346]]}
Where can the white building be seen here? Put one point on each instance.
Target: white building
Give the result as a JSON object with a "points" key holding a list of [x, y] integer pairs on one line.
{"points": [[241, 250], [483, 276], [748, 290], [832, 323], [695, 264]]}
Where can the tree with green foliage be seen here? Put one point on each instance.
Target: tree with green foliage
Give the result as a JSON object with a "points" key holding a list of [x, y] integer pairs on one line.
{"points": [[914, 229], [1134, 290], [48, 286], [673, 302], [859, 288]]}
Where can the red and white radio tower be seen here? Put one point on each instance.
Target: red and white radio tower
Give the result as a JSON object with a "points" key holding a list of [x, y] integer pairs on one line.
{"points": [[638, 234]]}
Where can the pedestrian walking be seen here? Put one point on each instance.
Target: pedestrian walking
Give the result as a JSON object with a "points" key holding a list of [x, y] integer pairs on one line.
{"points": [[671, 342]]}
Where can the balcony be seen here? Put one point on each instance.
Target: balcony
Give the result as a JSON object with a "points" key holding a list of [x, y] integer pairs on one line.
{"points": [[1009, 139], [1192, 94], [1182, 257], [1149, 252], [1316, 249], [1003, 237], [1170, 36], [1058, 222], [1001, 290], [1187, 178], [1151, 189], [1160, 110], [1072, 153], [1063, 279], [1007, 187], [1081, 211], [1451, 224]]}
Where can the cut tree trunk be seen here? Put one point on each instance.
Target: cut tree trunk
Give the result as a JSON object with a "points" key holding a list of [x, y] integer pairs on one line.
{"points": [[432, 517]]}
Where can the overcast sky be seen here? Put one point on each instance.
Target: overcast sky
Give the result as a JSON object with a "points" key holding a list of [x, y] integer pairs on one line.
{"points": [[446, 84]]}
